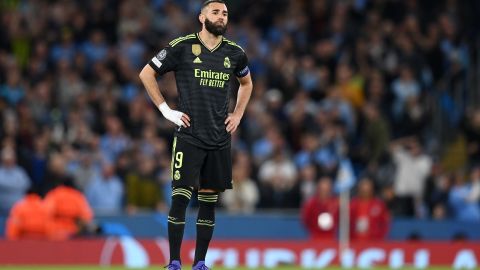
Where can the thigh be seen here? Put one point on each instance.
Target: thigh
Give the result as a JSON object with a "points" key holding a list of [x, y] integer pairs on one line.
{"points": [[217, 170], [186, 165]]}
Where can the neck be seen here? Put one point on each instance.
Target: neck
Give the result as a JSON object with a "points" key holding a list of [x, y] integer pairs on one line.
{"points": [[209, 39]]}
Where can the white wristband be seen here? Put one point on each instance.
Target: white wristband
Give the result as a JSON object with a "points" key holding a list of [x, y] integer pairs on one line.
{"points": [[164, 108], [172, 115]]}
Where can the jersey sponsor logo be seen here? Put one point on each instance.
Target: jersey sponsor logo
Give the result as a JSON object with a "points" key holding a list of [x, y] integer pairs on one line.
{"points": [[226, 62], [211, 78], [196, 50]]}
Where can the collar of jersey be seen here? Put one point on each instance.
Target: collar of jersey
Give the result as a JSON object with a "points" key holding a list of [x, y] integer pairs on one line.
{"points": [[204, 45]]}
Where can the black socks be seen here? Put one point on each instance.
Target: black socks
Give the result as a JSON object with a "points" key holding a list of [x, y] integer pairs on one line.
{"points": [[205, 223], [176, 219]]}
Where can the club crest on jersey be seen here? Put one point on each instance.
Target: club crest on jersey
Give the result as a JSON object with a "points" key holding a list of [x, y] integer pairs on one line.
{"points": [[176, 175], [196, 50], [226, 62]]}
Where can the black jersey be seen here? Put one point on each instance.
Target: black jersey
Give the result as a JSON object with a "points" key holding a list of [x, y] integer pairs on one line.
{"points": [[203, 82]]}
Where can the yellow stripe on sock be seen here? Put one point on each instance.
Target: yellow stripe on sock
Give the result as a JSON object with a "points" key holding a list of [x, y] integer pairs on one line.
{"points": [[208, 200], [211, 225], [182, 193], [183, 189], [177, 223], [207, 196]]}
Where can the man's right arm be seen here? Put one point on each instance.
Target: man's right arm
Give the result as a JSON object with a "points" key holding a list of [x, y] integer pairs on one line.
{"points": [[147, 76]]}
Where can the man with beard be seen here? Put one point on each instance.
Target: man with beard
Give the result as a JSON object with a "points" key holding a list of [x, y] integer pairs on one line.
{"points": [[203, 64]]}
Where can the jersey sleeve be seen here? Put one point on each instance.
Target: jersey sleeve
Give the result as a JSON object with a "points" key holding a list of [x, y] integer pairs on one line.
{"points": [[166, 60], [242, 67]]}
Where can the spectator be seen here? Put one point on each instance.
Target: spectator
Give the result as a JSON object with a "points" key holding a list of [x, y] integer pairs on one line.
{"points": [[133, 49], [84, 170], [474, 195], [414, 118], [436, 192], [30, 218], [331, 146], [439, 212], [300, 111], [350, 85], [307, 182], [245, 195], [376, 136], [391, 201], [73, 80], [13, 90], [14, 181], [64, 50], [471, 127], [56, 173], [114, 141], [306, 154], [320, 213], [105, 191], [143, 188], [308, 74], [369, 216], [95, 49], [123, 165], [338, 108], [412, 170], [464, 197], [38, 161], [264, 147], [404, 88], [277, 175]]}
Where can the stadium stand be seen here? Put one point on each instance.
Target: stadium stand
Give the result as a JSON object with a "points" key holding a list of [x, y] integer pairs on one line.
{"points": [[392, 86]]}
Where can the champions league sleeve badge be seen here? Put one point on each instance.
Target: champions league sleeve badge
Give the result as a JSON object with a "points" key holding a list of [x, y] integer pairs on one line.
{"points": [[157, 59], [162, 54]]}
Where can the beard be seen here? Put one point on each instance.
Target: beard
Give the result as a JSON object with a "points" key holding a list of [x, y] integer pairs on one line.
{"points": [[215, 29]]}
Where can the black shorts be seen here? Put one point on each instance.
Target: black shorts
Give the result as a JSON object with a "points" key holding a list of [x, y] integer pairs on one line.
{"points": [[200, 168]]}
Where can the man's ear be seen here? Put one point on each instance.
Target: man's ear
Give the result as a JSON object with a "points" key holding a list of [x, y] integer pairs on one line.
{"points": [[201, 18]]}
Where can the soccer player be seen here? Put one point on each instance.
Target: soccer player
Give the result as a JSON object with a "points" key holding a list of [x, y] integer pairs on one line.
{"points": [[203, 63]]}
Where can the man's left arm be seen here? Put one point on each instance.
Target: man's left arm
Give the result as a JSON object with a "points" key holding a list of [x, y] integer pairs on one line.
{"points": [[244, 92]]}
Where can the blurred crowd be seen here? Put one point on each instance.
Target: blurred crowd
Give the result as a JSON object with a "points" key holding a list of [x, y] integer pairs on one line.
{"points": [[383, 85]]}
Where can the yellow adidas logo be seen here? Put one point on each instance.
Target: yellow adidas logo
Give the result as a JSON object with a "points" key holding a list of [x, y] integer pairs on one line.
{"points": [[197, 61]]}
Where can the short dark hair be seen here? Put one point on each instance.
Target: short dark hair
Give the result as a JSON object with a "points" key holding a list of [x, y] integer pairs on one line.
{"points": [[208, 2]]}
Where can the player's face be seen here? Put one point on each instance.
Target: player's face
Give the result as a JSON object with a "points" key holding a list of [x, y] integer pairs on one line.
{"points": [[215, 18]]}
